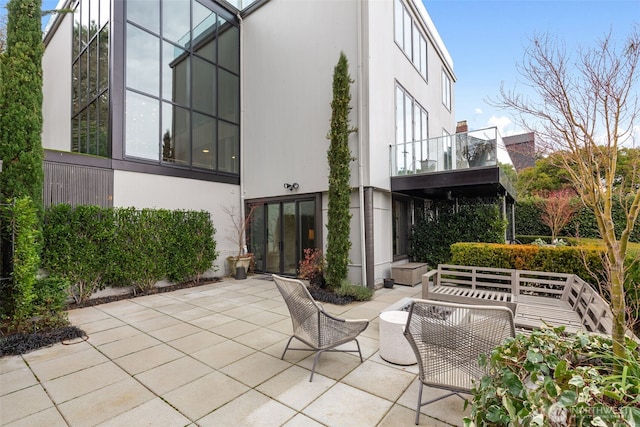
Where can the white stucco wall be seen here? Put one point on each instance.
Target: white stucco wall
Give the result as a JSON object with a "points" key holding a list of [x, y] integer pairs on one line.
{"points": [[163, 192], [382, 229], [56, 88], [388, 64], [290, 49]]}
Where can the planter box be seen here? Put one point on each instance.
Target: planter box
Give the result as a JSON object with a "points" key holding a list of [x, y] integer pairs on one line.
{"points": [[409, 274]]}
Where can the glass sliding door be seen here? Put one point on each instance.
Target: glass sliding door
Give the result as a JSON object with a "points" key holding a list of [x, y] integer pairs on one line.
{"points": [[280, 231], [274, 240], [289, 243]]}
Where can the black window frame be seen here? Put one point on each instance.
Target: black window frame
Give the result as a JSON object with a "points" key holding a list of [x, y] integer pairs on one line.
{"points": [[118, 94]]}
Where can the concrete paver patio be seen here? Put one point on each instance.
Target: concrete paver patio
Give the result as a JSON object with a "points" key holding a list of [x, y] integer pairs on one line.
{"points": [[210, 356]]}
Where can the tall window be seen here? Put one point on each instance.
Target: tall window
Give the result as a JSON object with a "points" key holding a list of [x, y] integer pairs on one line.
{"points": [[412, 133], [410, 38], [90, 74], [182, 82], [446, 90]]}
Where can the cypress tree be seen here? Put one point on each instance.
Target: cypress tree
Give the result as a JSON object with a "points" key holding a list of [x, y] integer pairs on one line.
{"points": [[21, 103], [20, 127], [339, 158]]}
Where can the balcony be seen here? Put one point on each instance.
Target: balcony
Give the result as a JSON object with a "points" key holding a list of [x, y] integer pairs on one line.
{"points": [[460, 165], [468, 150]]}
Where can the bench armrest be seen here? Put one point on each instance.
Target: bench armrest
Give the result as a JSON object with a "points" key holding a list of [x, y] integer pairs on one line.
{"points": [[429, 274], [425, 282]]}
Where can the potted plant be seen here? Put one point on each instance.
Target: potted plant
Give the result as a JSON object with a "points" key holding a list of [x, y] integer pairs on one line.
{"points": [[238, 236]]}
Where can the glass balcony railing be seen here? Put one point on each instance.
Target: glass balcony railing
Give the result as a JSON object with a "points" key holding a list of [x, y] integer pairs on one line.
{"points": [[473, 149]]}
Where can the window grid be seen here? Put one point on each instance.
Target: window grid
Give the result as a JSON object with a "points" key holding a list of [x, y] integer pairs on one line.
{"points": [[90, 78], [410, 38], [195, 94], [412, 132]]}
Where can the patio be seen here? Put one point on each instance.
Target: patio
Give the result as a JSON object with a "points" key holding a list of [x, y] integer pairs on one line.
{"points": [[210, 356]]}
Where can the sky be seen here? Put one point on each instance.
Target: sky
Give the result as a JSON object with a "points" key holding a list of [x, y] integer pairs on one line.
{"points": [[487, 38]]}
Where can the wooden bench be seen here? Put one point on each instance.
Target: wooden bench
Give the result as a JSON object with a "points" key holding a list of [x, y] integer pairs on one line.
{"points": [[535, 297]]}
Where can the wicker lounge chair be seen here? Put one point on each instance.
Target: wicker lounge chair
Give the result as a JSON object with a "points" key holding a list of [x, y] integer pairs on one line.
{"points": [[312, 325], [448, 338]]}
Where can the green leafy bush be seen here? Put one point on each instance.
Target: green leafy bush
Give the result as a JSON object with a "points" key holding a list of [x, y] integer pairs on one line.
{"points": [[445, 224], [357, 292], [137, 253], [551, 379], [77, 245], [555, 259], [528, 222], [50, 295], [50, 303], [93, 247], [23, 217], [190, 245]]}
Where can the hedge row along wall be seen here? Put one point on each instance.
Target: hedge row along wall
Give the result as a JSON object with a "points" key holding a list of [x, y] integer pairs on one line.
{"points": [[94, 247], [583, 224], [444, 223], [579, 260]]}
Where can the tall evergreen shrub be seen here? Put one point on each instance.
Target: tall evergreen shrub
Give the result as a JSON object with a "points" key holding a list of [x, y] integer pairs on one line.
{"points": [[20, 145], [21, 103], [339, 157], [23, 216], [469, 221]]}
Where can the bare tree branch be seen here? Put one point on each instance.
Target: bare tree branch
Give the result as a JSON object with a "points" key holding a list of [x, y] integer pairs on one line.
{"points": [[584, 109]]}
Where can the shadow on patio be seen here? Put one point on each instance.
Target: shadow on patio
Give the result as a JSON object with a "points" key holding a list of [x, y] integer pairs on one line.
{"points": [[210, 356]]}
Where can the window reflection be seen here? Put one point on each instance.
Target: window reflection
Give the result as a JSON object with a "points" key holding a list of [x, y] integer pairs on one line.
{"points": [[105, 13], [229, 96], [204, 78], [142, 126], [180, 126], [90, 78], [176, 21], [145, 13], [142, 61], [190, 66], [175, 74], [204, 132], [229, 55], [228, 143]]}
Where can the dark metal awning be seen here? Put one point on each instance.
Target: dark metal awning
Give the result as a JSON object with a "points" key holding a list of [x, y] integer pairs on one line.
{"points": [[487, 181]]}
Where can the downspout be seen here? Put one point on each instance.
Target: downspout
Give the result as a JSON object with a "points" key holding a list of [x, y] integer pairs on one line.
{"points": [[241, 151], [363, 241]]}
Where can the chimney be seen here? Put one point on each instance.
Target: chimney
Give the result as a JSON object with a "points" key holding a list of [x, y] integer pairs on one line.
{"points": [[462, 127]]}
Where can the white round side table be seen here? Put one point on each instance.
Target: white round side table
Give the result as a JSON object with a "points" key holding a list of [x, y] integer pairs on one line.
{"points": [[394, 347]]}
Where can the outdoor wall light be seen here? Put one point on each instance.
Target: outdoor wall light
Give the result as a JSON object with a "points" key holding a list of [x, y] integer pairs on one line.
{"points": [[291, 187]]}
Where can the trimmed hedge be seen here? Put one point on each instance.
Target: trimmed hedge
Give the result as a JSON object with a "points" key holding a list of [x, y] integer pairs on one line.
{"points": [[432, 236], [77, 245], [583, 224], [556, 259], [93, 246]]}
